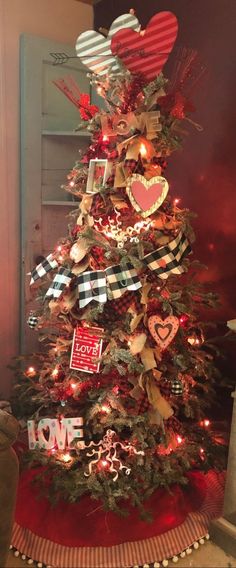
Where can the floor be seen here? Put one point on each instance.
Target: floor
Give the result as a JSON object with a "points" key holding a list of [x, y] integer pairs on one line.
{"points": [[208, 556]]}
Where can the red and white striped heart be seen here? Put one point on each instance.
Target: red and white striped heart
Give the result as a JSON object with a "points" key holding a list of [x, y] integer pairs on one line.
{"points": [[146, 195], [94, 50], [148, 51], [163, 331]]}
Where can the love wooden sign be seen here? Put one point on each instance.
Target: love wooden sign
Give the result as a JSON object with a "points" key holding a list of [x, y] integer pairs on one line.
{"points": [[86, 349], [52, 432]]}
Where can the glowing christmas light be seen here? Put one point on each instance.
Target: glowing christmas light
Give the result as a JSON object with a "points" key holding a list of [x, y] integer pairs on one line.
{"points": [[176, 201], [195, 338], [106, 409], [55, 373], [143, 150], [72, 183], [59, 248], [105, 138], [66, 458], [30, 372], [99, 90], [183, 319], [205, 423], [179, 439], [105, 463], [73, 385]]}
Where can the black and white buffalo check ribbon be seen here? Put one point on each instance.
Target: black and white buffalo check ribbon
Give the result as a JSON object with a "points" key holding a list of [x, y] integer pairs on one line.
{"points": [[60, 281], [120, 279], [49, 263], [92, 286], [167, 259]]}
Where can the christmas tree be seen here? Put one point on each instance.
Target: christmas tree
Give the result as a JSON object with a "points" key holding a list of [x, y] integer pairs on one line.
{"points": [[116, 400]]}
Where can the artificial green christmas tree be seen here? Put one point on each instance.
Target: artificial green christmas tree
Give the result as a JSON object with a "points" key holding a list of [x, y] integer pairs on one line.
{"points": [[122, 385]]}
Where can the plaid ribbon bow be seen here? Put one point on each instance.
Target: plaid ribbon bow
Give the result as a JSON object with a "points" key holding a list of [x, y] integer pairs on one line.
{"points": [[120, 280], [60, 281], [167, 259], [41, 269], [92, 286]]}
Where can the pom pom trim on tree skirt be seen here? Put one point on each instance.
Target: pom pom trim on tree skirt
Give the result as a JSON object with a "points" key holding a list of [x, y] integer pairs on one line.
{"points": [[148, 552], [163, 563]]}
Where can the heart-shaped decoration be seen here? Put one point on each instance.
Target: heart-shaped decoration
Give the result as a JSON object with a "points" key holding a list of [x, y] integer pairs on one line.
{"points": [[148, 51], [94, 49], [146, 195], [163, 331]]}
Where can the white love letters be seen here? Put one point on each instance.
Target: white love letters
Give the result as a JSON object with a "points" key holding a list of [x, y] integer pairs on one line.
{"points": [[52, 432]]}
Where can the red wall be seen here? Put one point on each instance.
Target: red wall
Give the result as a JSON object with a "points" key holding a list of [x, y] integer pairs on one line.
{"points": [[204, 173]]}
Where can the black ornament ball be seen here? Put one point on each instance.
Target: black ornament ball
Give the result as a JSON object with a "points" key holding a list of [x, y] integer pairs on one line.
{"points": [[32, 321], [176, 387]]}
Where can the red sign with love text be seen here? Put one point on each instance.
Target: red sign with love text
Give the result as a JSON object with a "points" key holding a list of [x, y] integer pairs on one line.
{"points": [[86, 349]]}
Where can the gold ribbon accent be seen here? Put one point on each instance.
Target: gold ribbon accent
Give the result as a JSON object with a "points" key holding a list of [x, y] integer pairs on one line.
{"points": [[157, 400]]}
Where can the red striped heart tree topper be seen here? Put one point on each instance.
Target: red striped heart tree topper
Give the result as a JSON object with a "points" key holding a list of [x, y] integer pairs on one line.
{"points": [[147, 51]]}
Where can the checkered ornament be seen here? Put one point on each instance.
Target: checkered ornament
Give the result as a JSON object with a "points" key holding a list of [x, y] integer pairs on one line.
{"points": [[32, 321], [49, 263], [167, 259], [92, 286], [176, 387], [60, 282], [120, 279]]}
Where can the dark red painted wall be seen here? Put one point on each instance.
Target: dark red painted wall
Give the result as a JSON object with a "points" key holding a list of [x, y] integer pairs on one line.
{"points": [[204, 173]]}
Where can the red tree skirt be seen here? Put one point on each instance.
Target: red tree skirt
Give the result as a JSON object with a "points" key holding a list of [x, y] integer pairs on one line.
{"points": [[83, 535]]}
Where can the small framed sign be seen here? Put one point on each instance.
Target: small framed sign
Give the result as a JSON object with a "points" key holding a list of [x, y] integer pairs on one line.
{"points": [[86, 349], [99, 171]]}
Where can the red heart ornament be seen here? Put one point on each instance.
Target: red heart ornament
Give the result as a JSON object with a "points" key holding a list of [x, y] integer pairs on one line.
{"points": [[148, 51], [146, 195], [163, 331]]}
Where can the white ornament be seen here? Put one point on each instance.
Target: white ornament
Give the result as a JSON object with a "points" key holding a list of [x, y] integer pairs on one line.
{"points": [[175, 559], [30, 561], [40, 565], [195, 545], [165, 563], [156, 565], [202, 541], [23, 556], [16, 553], [146, 566], [183, 554], [207, 536]]}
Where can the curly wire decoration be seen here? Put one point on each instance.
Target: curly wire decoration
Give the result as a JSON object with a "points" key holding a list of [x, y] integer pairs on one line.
{"points": [[107, 449]]}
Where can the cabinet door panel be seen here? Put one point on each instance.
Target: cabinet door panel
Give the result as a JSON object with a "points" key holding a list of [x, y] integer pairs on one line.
{"points": [[49, 149]]}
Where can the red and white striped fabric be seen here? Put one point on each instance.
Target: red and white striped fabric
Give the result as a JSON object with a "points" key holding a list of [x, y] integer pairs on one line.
{"points": [[127, 554], [148, 51]]}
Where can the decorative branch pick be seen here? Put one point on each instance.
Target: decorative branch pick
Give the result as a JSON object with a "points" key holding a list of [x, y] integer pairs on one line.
{"points": [[107, 449]]}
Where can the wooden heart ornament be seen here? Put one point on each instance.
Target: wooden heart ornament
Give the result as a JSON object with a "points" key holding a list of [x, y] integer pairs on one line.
{"points": [[163, 331], [148, 51], [94, 49], [145, 195]]}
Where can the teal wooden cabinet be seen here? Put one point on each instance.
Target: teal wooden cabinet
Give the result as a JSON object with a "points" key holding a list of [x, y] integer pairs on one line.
{"points": [[49, 149]]}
